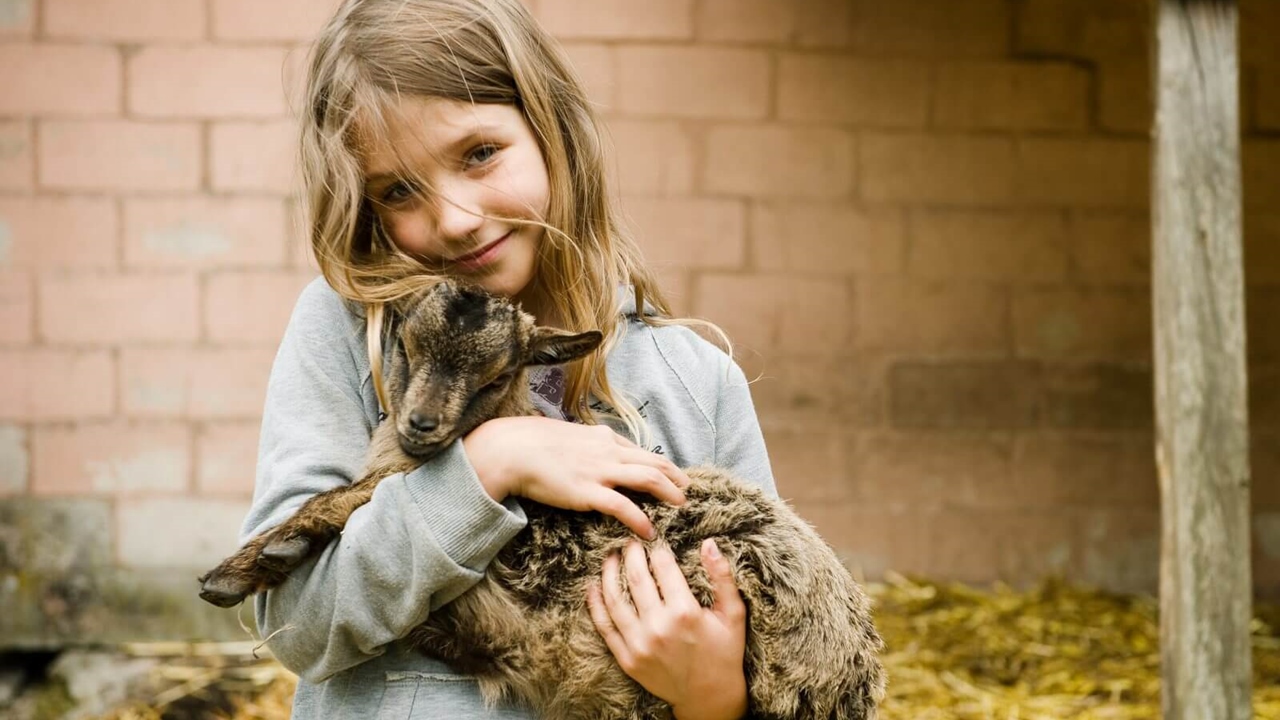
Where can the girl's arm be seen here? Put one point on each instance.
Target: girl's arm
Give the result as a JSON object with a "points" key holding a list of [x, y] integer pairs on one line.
{"points": [[423, 539]]}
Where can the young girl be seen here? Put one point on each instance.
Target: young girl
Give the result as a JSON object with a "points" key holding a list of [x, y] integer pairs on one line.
{"points": [[450, 137]]}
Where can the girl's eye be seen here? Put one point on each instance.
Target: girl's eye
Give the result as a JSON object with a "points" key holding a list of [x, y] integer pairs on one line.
{"points": [[482, 154], [397, 192]]}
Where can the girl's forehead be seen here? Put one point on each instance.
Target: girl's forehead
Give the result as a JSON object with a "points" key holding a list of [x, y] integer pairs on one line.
{"points": [[417, 129]]}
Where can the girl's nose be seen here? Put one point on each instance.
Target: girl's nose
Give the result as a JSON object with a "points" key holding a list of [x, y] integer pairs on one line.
{"points": [[457, 218]]}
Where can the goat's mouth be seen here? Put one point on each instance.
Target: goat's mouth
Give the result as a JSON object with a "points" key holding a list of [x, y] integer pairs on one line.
{"points": [[422, 450]]}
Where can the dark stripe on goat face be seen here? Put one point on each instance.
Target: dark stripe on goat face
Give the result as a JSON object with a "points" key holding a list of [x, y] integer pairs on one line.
{"points": [[467, 309]]}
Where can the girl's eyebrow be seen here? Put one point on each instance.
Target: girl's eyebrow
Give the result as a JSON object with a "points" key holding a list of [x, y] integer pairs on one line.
{"points": [[462, 142]]}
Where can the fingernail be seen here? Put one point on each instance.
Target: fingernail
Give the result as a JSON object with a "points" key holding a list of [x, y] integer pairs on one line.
{"points": [[710, 546]]}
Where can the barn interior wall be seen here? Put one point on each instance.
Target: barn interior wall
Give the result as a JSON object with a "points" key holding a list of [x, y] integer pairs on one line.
{"points": [[924, 223]]}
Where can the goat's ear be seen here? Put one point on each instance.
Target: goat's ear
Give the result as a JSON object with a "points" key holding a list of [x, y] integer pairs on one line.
{"points": [[552, 347]]}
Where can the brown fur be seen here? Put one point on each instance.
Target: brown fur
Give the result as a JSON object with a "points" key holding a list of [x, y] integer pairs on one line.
{"points": [[525, 630]]}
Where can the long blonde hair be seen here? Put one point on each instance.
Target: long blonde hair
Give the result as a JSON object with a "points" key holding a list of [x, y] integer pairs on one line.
{"points": [[373, 52]]}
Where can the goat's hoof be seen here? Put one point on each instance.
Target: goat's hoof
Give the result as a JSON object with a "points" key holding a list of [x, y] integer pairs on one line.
{"points": [[222, 591], [284, 555]]}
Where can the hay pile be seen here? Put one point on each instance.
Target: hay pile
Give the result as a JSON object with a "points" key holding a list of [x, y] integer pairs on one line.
{"points": [[1051, 653], [954, 653]]}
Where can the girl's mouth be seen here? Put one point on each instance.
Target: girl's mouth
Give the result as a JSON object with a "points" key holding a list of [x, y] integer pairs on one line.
{"points": [[473, 261]]}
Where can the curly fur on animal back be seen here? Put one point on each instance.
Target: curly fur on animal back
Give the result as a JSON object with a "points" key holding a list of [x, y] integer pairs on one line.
{"points": [[524, 630]]}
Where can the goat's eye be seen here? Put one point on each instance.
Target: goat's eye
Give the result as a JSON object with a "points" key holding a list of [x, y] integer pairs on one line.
{"points": [[499, 381]]}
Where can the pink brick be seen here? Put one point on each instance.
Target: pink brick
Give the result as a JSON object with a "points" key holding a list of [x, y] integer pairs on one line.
{"points": [[125, 20], [1075, 324], [198, 532], [216, 82], [1124, 95], [767, 21], [596, 66], [692, 232], [1022, 247], [617, 19], [852, 393], [933, 318], [697, 82], [827, 238], [46, 233], [1012, 96], [17, 308], [1258, 20], [1044, 545], [17, 159], [280, 20], [651, 157], [17, 18], [111, 459], [194, 382], [824, 23], [119, 155], [226, 458], [810, 464], [15, 461], [937, 28], [1084, 173], [43, 384], [1093, 29], [942, 169], [779, 161], [110, 309], [875, 93], [1260, 160], [928, 469], [251, 307], [1054, 470], [1112, 248], [1267, 99], [1262, 249], [255, 157], [799, 316], [47, 79], [204, 232]]}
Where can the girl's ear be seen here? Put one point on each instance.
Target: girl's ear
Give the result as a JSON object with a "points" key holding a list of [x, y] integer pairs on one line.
{"points": [[551, 346]]}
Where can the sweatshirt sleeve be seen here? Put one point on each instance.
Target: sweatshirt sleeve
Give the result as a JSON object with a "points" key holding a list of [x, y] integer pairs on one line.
{"points": [[739, 441], [424, 538]]}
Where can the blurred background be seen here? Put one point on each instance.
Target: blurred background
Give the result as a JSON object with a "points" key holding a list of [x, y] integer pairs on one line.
{"points": [[925, 225]]}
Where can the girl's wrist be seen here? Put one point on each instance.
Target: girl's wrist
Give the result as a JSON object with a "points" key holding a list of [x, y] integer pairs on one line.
{"points": [[493, 476]]}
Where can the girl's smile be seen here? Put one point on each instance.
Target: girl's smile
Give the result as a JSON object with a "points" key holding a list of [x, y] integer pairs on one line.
{"points": [[480, 258]]}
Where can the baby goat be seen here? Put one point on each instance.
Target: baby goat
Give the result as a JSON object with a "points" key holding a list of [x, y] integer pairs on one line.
{"points": [[524, 630]]}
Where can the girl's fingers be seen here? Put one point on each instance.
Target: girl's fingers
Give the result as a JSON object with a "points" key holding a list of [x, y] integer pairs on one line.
{"points": [[671, 580], [728, 601], [649, 480], [615, 504], [604, 625], [621, 613], [644, 594], [673, 474]]}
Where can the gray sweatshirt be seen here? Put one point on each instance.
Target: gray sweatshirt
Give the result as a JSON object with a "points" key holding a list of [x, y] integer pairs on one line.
{"points": [[426, 536]]}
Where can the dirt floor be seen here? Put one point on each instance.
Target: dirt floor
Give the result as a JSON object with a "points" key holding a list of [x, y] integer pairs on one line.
{"points": [[953, 653]]}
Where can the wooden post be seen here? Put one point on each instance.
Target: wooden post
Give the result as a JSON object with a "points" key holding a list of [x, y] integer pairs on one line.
{"points": [[1201, 413]]}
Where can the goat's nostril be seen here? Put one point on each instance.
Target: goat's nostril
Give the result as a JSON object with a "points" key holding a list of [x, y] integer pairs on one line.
{"points": [[421, 422]]}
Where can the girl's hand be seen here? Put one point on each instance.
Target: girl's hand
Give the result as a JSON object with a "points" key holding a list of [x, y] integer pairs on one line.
{"points": [[686, 654], [570, 466]]}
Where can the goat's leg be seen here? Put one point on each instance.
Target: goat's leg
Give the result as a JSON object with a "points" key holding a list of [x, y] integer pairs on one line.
{"points": [[265, 561], [316, 523]]}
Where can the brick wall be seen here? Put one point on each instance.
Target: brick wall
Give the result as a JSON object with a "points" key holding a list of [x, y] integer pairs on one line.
{"points": [[924, 223]]}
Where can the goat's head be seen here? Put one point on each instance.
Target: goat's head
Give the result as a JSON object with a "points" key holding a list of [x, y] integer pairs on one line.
{"points": [[460, 361]]}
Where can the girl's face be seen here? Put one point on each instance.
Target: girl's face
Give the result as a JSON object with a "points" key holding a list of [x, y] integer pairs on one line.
{"points": [[446, 178]]}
